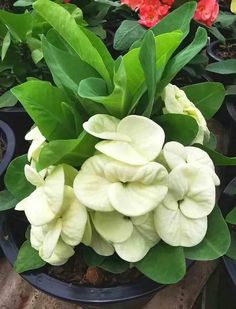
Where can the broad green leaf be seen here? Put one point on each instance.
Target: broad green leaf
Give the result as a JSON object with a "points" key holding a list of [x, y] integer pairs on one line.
{"points": [[28, 259], [232, 249], [231, 216], [7, 200], [35, 46], [67, 70], [5, 45], [7, 99], [73, 152], [165, 45], [177, 127], [114, 264], [23, 3], [183, 57], [128, 32], [147, 58], [44, 103], [216, 242], [218, 158], [208, 97], [15, 180], [116, 103], [163, 264], [216, 33], [223, 67], [91, 258], [18, 24], [74, 35]]}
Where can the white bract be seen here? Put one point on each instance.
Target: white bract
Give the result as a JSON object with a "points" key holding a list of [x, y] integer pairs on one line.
{"points": [[135, 140], [176, 102], [38, 141], [181, 219], [105, 184], [56, 239], [176, 154]]}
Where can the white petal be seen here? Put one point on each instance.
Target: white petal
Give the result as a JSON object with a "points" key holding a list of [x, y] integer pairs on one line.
{"points": [[74, 218], [134, 248], [113, 226], [199, 196], [70, 173], [104, 127], [33, 176], [174, 98], [95, 165], [54, 188], [147, 137], [37, 209], [92, 191], [177, 230], [87, 237], [61, 254], [51, 238], [35, 148], [34, 134], [122, 151], [174, 154], [136, 199], [100, 245], [36, 236]]}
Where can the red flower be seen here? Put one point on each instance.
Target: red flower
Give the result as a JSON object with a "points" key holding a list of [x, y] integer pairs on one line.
{"points": [[206, 12], [66, 1], [133, 4]]}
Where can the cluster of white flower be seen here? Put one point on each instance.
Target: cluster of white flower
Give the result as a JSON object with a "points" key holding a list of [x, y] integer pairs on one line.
{"points": [[132, 193]]}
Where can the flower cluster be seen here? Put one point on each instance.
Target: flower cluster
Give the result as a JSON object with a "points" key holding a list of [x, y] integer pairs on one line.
{"points": [[152, 11], [133, 192]]}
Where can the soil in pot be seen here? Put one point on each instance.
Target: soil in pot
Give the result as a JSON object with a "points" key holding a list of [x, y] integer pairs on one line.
{"points": [[226, 51]]}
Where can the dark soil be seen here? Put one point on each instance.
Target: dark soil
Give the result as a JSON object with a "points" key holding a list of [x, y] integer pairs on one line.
{"points": [[7, 5], [77, 272], [226, 51]]}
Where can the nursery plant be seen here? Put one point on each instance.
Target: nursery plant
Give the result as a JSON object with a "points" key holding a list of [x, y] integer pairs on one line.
{"points": [[121, 161]]}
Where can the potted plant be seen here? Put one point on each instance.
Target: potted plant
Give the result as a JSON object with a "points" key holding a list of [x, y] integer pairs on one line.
{"points": [[119, 176]]}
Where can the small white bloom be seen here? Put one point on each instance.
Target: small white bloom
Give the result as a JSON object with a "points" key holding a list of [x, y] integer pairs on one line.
{"points": [[104, 184], [181, 219], [38, 141], [135, 140], [176, 102]]}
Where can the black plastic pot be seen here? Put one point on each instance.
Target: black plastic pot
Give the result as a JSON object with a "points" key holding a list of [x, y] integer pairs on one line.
{"points": [[20, 122], [128, 296], [8, 138], [227, 202]]}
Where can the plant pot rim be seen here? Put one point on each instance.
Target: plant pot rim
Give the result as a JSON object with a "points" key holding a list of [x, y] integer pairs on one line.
{"points": [[12, 109], [210, 48], [9, 138], [71, 292]]}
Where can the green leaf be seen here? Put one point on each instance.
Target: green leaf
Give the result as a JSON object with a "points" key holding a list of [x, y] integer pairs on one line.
{"points": [[15, 180], [147, 58], [91, 258], [23, 3], [116, 103], [217, 34], [223, 67], [44, 104], [6, 44], [67, 69], [177, 127], [218, 158], [75, 36], [73, 152], [18, 24], [208, 97], [216, 242], [28, 259], [231, 216], [163, 264], [114, 264], [231, 90], [7, 99], [128, 32], [183, 57], [7, 200], [232, 249]]}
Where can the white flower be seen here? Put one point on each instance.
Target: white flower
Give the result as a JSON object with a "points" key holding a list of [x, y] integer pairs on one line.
{"points": [[176, 154], [38, 141], [55, 240], [181, 219], [44, 204], [104, 184], [135, 140], [176, 102]]}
